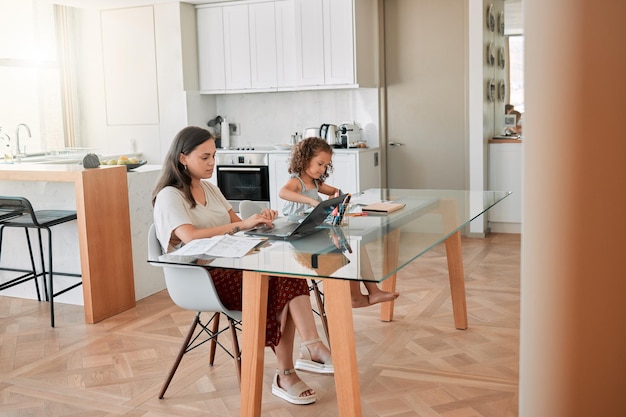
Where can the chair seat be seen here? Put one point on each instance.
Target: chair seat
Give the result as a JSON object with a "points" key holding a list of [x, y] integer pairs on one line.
{"points": [[45, 218], [7, 214]]}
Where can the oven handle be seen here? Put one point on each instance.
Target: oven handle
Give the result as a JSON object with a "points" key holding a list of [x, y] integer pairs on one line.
{"points": [[240, 169]]}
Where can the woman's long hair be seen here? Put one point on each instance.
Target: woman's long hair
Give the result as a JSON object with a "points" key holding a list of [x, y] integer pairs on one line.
{"points": [[174, 174], [304, 151]]}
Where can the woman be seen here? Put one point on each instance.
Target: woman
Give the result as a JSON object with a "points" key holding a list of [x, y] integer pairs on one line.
{"points": [[188, 208]]}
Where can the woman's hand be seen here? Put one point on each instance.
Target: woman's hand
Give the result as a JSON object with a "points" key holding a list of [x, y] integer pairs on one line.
{"points": [[266, 217], [269, 213]]}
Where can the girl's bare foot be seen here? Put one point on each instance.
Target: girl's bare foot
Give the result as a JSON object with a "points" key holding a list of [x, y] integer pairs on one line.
{"points": [[360, 300], [381, 297]]}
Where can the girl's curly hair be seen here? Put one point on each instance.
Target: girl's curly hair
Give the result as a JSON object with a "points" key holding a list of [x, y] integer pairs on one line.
{"points": [[304, 151]]}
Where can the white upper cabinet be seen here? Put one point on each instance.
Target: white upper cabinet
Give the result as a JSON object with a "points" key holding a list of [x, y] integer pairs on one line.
{"points": [[212, 73], [237, 47], [285, 44], [309, 37], [338, 43], [288, 45], [263, 59]]}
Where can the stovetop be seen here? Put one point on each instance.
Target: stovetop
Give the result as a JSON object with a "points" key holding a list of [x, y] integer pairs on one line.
{"points": [[242, 149]]}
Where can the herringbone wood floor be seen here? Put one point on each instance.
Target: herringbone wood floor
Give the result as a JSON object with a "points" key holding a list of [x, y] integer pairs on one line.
{"points": [[417, 365]]}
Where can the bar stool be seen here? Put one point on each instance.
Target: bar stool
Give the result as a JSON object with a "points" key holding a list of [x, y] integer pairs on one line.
{"points": [[10, 209], [20, 214]]}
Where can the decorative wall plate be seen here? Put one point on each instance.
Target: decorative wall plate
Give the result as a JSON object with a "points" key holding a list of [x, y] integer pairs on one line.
{"points": [[491, 18], [501, 24], [501, 58], [501, 90], [491, 90], [491, 54]]}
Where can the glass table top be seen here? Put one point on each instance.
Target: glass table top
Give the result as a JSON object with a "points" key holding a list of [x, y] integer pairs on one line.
{"points": [[357, 249]]}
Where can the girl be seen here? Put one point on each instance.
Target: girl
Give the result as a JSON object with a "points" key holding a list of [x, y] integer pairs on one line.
{"points": [[188, 208], [310, 164]]}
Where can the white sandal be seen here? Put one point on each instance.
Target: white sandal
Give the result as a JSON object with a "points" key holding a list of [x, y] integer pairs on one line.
{"points": [[306, 363], [294, 392]]}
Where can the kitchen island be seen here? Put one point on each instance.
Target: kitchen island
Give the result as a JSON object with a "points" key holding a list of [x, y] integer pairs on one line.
{"points": [[103, 226]]}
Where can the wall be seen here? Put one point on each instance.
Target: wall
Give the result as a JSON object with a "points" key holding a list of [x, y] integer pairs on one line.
{"points": [[270, 118]]}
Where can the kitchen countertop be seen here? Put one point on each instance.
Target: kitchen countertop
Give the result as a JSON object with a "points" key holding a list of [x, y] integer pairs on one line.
{"points": [[272, 149]]}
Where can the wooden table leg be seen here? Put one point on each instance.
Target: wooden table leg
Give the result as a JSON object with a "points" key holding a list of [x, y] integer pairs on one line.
{"points": [[254, 316], [391, 246], [343, 346], [457, 280]]}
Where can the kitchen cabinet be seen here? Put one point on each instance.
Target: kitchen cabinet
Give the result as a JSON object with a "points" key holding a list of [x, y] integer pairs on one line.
{"points": [[211, 69], [130, 68], [237, 47], [263, 47], [354, 171], [505, 174], [287, 45], [326, 42]]}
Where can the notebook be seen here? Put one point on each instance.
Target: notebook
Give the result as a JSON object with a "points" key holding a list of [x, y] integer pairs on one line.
{"points": [[284, 228], [383, 207]]}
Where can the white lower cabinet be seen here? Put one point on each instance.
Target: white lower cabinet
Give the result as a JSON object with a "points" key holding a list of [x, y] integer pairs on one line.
{"points": [[354, 171], [279, 162], [505, 174]]}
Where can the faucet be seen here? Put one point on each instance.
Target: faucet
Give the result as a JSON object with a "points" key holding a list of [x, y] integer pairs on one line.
{"points": [[8, 154], [17, 138]]}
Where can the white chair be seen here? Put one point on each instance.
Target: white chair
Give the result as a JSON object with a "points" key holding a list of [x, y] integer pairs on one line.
{"points": [[192, 288], [248, 208]]}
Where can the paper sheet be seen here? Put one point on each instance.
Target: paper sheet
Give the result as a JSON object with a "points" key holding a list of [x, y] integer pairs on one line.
{"points": [[225, 246]]}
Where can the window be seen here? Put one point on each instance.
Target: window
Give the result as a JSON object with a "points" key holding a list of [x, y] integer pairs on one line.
{"points": [[30, 76], [516, 71]]}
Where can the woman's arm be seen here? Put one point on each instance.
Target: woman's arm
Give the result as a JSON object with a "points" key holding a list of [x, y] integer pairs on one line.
{"points": [[188, 232]]}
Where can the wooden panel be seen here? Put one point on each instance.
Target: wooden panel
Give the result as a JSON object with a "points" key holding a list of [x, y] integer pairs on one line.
{"points": [[106, 251]]}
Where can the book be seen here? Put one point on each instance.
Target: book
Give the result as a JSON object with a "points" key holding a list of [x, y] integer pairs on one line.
{"points": [[383, 207]]}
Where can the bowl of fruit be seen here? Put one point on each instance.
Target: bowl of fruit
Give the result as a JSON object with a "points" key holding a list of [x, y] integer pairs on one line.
{"points": [[129, 162]]}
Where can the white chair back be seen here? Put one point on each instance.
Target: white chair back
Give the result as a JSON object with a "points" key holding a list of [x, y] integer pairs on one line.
{"points": [[190, 287], [248, 207]]}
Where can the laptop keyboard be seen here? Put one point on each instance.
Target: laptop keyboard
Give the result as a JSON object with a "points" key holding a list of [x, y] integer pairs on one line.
{"points": [[282, 230]]}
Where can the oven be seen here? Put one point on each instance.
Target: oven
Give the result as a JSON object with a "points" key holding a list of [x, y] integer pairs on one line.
{"points": [[243, 176]]}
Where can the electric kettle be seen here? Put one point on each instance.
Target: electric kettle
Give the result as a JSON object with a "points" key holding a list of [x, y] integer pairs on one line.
{"points": [[329, 134], [326, 131]]}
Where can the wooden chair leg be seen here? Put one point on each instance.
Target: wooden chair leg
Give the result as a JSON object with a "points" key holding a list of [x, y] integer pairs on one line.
{"points": [[181, 353], [214, 329]]}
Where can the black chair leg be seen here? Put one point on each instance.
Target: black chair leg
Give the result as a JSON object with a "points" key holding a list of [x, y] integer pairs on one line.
{"points": [[181, 353], [32, 264], [320, 307], [236, 351], [47, 273]]}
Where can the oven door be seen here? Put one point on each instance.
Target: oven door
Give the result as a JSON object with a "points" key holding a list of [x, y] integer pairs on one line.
{"points": [[244, 182]]}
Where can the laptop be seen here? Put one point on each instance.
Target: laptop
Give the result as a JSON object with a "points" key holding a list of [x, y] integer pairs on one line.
{"points": [[286, 228]]}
